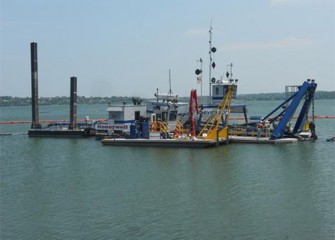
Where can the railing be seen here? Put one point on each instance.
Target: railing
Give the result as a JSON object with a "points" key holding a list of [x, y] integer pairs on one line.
{"points": [[211, 128], [161, 127], [179, 130]]}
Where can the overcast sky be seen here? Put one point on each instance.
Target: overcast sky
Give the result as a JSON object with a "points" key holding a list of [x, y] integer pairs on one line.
{"points": [[126, 47]]}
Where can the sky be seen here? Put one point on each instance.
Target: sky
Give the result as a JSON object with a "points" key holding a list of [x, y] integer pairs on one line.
{"points": [[127, 47]]}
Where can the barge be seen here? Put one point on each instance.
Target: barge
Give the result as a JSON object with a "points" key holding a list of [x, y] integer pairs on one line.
{"points": [[262, 140], [164, 143], [69, 130], [66, 133]]}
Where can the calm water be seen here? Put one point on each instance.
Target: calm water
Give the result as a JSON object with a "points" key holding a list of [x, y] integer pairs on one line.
{"points": [[78, 189]]}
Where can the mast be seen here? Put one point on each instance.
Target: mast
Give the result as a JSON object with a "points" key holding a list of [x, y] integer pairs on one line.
{"points": [[210, 61], [170, 90], [201, 80], [229, 73]]}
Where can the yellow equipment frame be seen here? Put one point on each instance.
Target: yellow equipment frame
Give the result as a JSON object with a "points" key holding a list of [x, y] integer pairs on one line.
{"points": [[212, 130]]}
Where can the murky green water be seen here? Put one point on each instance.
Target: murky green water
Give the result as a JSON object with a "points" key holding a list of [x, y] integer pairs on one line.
{"points": [[78, 189]]}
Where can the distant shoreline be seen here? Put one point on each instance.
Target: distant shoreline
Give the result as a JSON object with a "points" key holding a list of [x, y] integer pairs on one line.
{"points": [[26, 101]]}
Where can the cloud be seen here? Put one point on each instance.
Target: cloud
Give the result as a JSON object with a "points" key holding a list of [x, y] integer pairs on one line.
{"points": [[284, 43], [197, 32]]}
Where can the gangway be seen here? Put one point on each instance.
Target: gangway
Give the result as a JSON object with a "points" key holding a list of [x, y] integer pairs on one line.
{"points": [[305, 93]]}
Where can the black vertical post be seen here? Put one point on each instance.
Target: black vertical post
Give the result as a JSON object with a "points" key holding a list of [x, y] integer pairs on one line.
{"points": [[34, 86], [73, 103]]}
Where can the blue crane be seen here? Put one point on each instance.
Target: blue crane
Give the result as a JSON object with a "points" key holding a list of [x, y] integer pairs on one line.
{"points": [[305, 93]]}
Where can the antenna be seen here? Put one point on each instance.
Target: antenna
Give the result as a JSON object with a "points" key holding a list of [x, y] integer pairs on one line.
{"points": [[199, 78], [170, 90], [230, 73]]}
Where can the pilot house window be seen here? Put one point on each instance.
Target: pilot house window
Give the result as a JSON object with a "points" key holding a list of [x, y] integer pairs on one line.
{"points": [[217, 90]]}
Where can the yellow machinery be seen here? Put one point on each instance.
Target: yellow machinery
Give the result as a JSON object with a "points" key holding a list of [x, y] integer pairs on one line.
{"points": [[159, 126], [213, 129]]}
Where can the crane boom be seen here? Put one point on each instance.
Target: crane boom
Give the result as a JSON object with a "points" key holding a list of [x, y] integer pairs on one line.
{"points": [[305, 93]]}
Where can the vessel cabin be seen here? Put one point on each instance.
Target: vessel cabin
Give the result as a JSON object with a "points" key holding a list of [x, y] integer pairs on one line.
{"points": [[125, 113], [220, 88], [219, 91], [120, 117]]}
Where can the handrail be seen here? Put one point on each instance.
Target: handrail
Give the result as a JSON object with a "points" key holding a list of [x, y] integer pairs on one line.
{"points": [[212, 125]]}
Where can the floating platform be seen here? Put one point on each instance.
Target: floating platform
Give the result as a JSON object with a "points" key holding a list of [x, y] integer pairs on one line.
{"points": [[80, 133], [171, 143], [6, 134], [261, 140]]}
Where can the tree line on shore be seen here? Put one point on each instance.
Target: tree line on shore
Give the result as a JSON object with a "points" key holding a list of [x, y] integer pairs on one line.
{"points": [[25, 101]]}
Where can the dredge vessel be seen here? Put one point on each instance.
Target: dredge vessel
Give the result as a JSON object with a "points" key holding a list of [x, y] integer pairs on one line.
{"points": [[156, 131]]}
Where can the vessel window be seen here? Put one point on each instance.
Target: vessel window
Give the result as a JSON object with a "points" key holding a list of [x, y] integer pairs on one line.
{"points": [[137, 115], [153, 117], [164, 116], [115, 115], [217, 91], [173, 116]]}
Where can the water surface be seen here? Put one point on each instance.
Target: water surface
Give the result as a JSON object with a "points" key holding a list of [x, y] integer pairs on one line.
{"points": [[79, 189]]}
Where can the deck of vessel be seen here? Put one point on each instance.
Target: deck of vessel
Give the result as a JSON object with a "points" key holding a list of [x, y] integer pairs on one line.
{"points": [[262, 140], [173, 143]]}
